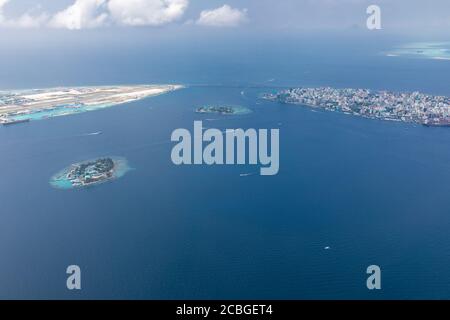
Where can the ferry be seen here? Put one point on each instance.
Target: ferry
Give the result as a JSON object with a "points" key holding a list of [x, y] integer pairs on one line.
{"points": [[10, 122], [437, 123]]}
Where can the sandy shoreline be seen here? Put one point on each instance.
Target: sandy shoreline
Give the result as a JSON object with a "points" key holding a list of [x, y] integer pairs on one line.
{"points": [[46, 103]]}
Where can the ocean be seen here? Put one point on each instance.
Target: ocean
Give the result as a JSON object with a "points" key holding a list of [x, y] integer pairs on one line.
{"points": [[374, 192]]}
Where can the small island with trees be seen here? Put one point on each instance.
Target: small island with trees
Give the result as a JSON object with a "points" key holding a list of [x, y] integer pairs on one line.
{"points": [[90, 172], [223, 110]]}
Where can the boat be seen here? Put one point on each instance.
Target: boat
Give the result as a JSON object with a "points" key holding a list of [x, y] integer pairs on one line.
{"points": [[437, 123], [246, 174], [10, 122]]}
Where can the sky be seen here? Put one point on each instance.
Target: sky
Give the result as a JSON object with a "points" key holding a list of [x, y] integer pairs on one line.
{"points": [[398, 16], [70, 42]]}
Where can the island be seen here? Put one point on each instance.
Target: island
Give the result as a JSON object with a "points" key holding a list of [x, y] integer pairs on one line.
{"points": [[223, 110], [412, 107], [27, 105], [425, 50], [90, 173]]}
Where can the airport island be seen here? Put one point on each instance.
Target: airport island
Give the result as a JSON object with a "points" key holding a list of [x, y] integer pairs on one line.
{"points": [[413, 107], [223, 110], [27, 105], [90, 173]]}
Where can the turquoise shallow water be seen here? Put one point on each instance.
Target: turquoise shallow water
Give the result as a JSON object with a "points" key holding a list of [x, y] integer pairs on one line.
{"points": [[371, 191], [59, 111], [425, 50], [60, 181], [240, 110], [237, 110], [374, 192]]}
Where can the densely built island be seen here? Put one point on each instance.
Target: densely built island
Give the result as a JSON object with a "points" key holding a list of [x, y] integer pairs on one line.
{"points": [[90, 173], [414, 107], [27, 105]]}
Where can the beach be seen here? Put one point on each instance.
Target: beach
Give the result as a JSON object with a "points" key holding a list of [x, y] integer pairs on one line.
{"points": [[40, 104]]}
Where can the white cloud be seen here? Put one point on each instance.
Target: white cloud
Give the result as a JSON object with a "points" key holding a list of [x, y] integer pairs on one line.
{"points": [[29, 21], [83, 14], [26, 20], [80, 15], [146, 12], [224, 16], [2, 4]]}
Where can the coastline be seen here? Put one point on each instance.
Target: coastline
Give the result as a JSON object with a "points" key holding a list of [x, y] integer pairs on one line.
{"points": [[414, 107], [38, 104], [61, 181], [226, 110]]}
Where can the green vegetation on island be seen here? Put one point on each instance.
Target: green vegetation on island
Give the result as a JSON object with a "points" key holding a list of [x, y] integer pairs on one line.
{"points": [[223, 110], [90, 172]]}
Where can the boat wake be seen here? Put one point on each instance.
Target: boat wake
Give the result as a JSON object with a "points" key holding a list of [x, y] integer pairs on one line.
{"points": [[92, 134], [247, 174]]}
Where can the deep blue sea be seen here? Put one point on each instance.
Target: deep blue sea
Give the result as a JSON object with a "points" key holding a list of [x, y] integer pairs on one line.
{"points": [[375, 192]]}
